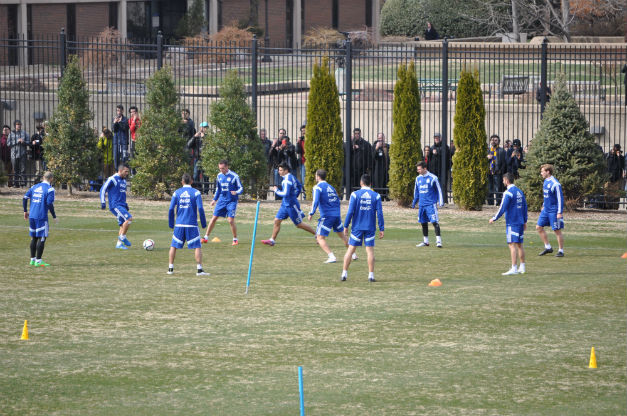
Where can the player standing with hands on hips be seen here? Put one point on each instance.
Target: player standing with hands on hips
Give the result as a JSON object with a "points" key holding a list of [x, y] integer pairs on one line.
{"points": [[363, 210], [188, 204], [427, 193], [514, 206], [115, 187], [41, 201]]}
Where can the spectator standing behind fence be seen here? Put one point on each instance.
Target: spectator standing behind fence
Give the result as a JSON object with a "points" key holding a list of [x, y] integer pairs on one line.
{"points": [[381, 166], [427, 157], [5, 151], [105, 144], [497, 159], [300, 151], [37, 150], [195, 146], [515, 159], [266, 144], [120, 137], [361, 158], [282, 152], [187, 127], [436, 161], [134, 123], [431, 33], [18, 142]]}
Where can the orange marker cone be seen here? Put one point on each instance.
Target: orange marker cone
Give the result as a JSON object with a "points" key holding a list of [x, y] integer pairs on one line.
{"points": [[593, 359], [624, 256], [25, 331], [435, 283], [216, 240]]}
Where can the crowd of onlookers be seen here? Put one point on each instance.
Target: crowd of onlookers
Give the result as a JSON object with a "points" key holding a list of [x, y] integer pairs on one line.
{"points": [[21, 152]]}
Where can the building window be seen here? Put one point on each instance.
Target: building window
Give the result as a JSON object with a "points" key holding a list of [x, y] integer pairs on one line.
{"points": [[113, 14], [71, 21], [335, 14], [369, 13]]}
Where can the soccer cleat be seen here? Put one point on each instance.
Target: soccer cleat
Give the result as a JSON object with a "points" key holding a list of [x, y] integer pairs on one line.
{"points": [[268, 242], [41, 264], [559, 254], [438, 245], [32, 263], [204, 240], [202, 273], [121, 247], [126, 242], [235, 243], [170, 271], [509, 272], [354, 257], [343, 278], [521, 270], [331, 259], [371, 280], [545, 251], [423, 244]]}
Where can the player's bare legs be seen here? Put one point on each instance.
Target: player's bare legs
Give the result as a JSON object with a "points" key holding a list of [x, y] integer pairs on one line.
{"points": [[322, 242], [124, 227], [231, 222], [212, 224], [276, 228], [370, 253], [172, 255], [347, 260], [542, 234], [560, 239], [306, 227]]}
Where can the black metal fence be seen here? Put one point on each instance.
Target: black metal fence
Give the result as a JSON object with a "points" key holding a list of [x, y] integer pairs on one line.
{"points": [[515, 79]]}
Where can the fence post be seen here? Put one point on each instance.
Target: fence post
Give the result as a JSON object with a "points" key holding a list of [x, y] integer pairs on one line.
{"points": [[62, 50], [543, 68], [159, 50], [348, 89], [444, 155], [253, 72]]}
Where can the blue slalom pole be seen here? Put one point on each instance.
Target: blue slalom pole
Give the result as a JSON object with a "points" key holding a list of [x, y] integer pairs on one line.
{"points": [[252, 248], [300, 390]]}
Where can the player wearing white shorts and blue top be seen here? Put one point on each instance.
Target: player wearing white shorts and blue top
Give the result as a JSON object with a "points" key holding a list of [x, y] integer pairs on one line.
{"points": [[514, 206], [185, 207], [427, 193], [228, 189], [364, 209], [552, 211], [325, 197], [290, 189], [115, 188], [41, 198]]}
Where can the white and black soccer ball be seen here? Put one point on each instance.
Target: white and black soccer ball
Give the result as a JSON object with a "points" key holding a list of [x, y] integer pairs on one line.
{"points": [[149, 245]]}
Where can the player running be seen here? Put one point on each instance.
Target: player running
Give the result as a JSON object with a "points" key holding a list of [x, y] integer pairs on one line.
{"points": [[363, 210], [41, 201], [325, 196], [427, 193], [514, 206], [115, 187], [228, 187], [188, 204], [290, 189], [552, 210]]}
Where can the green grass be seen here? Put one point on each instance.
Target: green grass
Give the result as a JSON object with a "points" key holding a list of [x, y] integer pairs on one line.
{"points": [[112, 334]]}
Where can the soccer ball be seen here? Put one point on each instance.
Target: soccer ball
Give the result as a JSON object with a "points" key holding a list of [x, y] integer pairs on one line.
{"points": [[149, 245]]}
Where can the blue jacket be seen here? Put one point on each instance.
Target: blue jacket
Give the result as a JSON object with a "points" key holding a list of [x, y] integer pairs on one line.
{"points": [[364, 209], [427, 191], [325, 196], [41, 201], [115, 186], [225, 183], [514, 206], [187, 201], [553, 196]]}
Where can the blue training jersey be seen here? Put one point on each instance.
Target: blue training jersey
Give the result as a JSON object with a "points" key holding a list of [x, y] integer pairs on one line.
{"points": [[364, 209], [289, 190], [325, 196], [187, 201], [427, 191], [514, 206], [41, 201], [225, 183], [115, 187], [553, 196]]}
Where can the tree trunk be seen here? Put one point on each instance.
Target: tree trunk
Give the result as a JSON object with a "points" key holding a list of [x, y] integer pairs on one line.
{"points": [[515, 25], [566, 19]]}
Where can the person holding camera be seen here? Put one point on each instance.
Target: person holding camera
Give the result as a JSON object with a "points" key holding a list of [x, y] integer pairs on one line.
{"points": [[381, 166], [615, 164], [515, 159], [120, 137], [282, 152]]}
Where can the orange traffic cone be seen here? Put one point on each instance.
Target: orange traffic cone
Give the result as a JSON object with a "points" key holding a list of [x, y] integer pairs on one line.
{"points": [[624, 256], [25, 331], [216, 240], [435, 283]]}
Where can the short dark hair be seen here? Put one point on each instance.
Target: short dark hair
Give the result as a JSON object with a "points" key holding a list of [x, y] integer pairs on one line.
{"points": [[422, 164], [186, 178], [185, 110], [322, 174], [356, 129], [120, 106], [6, 127], [365, 179], [495, 135], [122, 166], [132, 108], [17, 122], [285, 166], [509, 176], [223, 162]]}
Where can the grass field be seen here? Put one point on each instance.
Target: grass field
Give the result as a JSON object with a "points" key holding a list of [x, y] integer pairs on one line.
{"points": [[112, 334]]}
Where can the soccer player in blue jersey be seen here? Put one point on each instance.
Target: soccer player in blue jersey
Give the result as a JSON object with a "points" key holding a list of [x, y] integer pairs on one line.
{"points": [[41, 201], [428, 194], [552, 211], [115, 187], [290, 189], [228, 187], [514, 206], [187, 202], [325, 197], [364, 210]]}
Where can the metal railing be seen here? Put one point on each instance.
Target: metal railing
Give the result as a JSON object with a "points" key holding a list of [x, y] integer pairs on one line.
{"points": [[515, 80]]}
